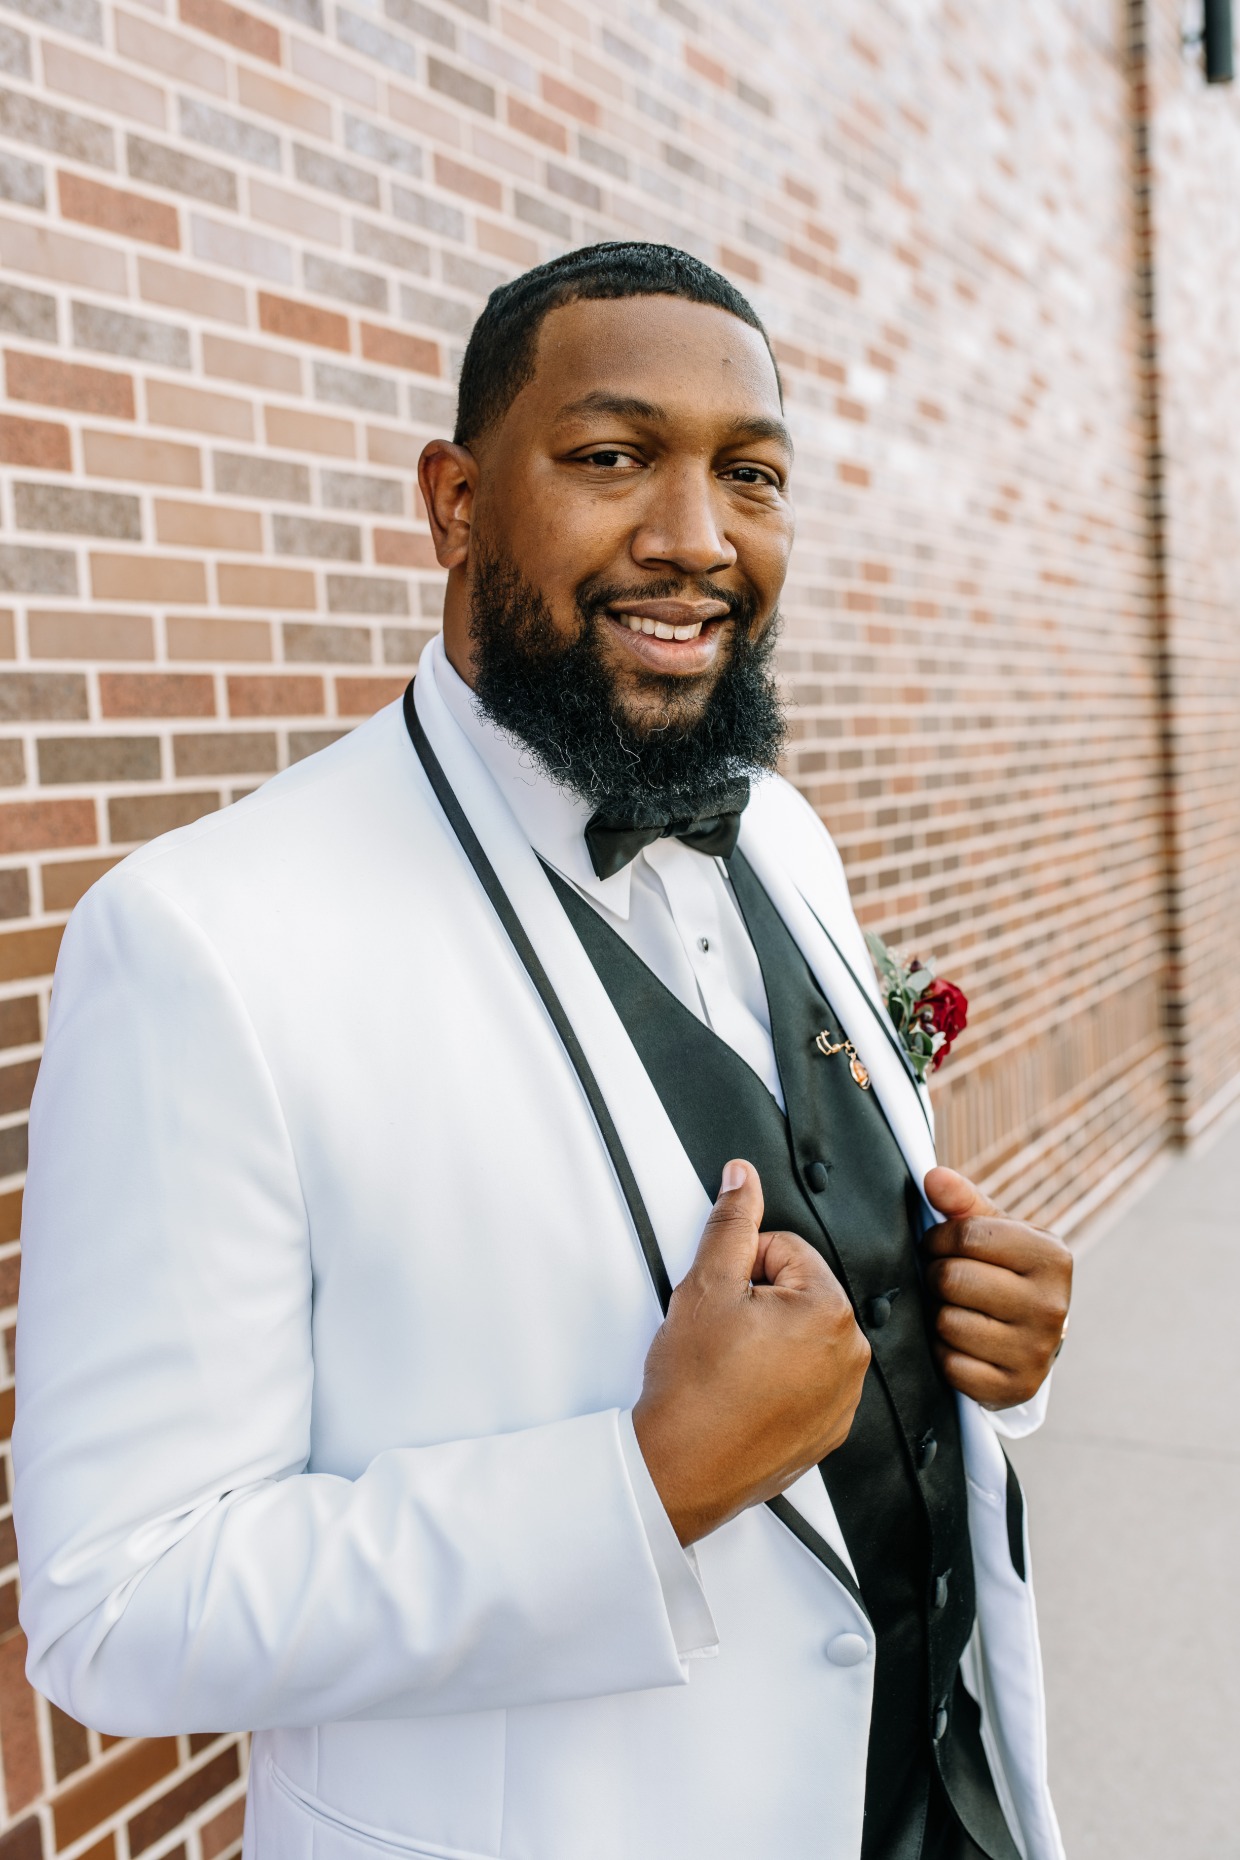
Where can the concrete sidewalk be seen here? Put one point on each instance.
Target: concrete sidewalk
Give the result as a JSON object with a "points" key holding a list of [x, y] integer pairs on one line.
{"points": [[1134, 1497]]}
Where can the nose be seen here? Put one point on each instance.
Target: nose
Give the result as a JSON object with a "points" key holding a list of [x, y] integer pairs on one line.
{"points": [[681, 528]]}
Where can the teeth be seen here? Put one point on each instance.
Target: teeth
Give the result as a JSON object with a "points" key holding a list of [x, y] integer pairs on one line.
{"points": [[659, 629]]}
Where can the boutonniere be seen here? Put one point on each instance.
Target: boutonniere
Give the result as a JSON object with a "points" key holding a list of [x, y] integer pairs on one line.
{"points": [[927, 1012]]}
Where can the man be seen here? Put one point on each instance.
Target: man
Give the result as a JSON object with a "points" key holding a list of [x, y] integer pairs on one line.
{"points": [[380, 1114]]}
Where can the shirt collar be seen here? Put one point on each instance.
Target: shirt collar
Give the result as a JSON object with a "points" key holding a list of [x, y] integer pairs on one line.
{"points": [[552, 817]]}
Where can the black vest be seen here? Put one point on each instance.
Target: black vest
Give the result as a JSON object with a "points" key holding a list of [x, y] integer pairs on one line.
{"points": [[832, 1171]]}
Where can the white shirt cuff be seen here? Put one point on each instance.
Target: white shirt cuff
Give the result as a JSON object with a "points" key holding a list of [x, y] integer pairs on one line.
{"points": [[1025, 1418], [688, 1612]]}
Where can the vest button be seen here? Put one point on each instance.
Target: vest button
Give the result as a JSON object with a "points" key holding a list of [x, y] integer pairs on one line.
{"points": [[939, 1727], [879, 1310], [817, 1174], [940, 1591], [927, 1447], [848, 1649]]}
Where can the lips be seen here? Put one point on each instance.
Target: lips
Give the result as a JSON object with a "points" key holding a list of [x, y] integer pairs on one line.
{"points": [[668, 619]]}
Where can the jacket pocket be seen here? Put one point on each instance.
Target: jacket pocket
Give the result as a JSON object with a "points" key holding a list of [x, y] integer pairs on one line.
{"points": [[339, 1839]]}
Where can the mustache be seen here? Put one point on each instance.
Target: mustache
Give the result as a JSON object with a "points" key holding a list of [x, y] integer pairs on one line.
{"points": [[594, 596]]}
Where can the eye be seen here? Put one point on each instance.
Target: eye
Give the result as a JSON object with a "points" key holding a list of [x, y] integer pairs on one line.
{"points": [[752, 474], [610, 459]]}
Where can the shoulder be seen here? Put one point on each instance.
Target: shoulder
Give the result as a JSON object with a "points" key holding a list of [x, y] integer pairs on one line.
{"points": [[796, 835]]}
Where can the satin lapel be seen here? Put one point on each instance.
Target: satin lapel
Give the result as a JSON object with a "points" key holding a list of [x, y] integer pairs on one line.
{"points": [[809, 923], [669, 1186]]}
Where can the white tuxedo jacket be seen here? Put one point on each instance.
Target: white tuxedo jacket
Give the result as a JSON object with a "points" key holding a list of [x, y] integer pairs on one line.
{"points": [[330, 1310]]}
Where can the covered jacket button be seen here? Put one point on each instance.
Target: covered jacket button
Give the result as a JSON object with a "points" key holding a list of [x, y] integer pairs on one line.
{"points": [[848, 1649], [927, 1448]]}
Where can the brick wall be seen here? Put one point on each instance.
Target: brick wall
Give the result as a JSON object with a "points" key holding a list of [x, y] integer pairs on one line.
{"points": [[241, 250]]}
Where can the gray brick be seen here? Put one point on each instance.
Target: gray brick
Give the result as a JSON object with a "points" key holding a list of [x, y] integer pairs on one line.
{"points": [[390, 248], [351, 490], [684, 163], [24, 570], [18, 1019], [401, 645], [468, 275], [311, 536], [461, 86], [430, 600], [433, 215], [656, 108], [367, 594], [14, 52], [42, 697], [27, 313], [422, 20], [675, 9], [14, 1149], [351, 387], [364, 36], [756, 99], [382, 146], [180, 173], [76, 512], [22, 181], [331, 279], [335, 177], [13, 775], [242, 474], [229, 134], [429, 407], [573, 187], [115, 332], [141, 816], [83, 19], [540, 213], [477, 9], [303, 743], [305, 12], [307, 644], [29, 119], [208, 752], [630, 55], [602, 155], [98, 758], [439, 312]]}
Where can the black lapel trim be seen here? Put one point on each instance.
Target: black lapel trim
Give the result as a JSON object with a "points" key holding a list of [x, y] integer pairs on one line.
{"points": [[888, 1035], [1015, 1519], [488, 878]]}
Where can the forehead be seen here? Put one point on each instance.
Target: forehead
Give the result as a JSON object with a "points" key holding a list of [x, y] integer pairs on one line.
{"points": [[695, 360]]}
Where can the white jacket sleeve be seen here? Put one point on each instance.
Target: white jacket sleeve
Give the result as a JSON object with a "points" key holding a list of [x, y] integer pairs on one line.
{"points": [[181, 1569]]}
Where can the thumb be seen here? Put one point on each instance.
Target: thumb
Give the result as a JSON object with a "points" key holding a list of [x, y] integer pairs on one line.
{"points": [[729, 1243], [955, 1196]]}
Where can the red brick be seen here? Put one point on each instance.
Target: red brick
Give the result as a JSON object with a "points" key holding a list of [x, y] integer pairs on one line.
{"points": [[573, 102], [398, 350], [69, 879], [405, 549], [156, 694], [19, 1731], [256, 36], [361, 697], [114, 209], [159, 1817], [68, 384], [223, 1830], [275, 696], [706, 67], [38, 443], [38, 826], [533, 123], [148, 578], [29, 952], [284, 316], [129, 1772], [458, 179]]}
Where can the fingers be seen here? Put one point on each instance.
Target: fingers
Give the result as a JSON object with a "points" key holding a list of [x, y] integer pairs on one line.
{"points": [[998, 1242], [729, 1244], [993, 1387], [955, 1196], [791, 1264]]}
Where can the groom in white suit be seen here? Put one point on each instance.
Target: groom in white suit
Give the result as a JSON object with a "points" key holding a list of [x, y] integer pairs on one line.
{"points": [[381, 1113]]}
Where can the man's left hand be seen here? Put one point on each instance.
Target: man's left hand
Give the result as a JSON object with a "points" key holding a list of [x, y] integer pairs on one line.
{"points": [[1002, 1288]]}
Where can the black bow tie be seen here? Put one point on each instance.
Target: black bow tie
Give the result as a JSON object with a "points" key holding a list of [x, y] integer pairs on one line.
{"points": [[612, 842]]}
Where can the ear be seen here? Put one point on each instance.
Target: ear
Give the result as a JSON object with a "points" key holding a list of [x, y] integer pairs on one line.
{"points": [[448, 479]]}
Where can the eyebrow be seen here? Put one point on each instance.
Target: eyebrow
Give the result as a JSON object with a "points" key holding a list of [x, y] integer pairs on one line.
{"points": [[632, 407]]}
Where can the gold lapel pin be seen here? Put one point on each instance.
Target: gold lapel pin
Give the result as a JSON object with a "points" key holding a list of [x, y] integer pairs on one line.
{"points": [[828, 1048]]}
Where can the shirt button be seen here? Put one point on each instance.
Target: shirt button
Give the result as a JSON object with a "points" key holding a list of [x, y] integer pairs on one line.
{"points": [[704, 944], [940, 1591], [878, 1310], [818, 1174], [939, 1728], [927, 1447], [848, 1649]]}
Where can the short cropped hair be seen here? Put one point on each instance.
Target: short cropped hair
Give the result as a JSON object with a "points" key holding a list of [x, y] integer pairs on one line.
{"points": [[499, 358]]}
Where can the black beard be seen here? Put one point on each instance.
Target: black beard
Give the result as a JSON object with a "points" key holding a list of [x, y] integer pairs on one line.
{"points": [[559, 701]]}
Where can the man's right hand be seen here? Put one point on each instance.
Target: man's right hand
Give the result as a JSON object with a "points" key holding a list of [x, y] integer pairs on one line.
{"points": [[756, 1372]]}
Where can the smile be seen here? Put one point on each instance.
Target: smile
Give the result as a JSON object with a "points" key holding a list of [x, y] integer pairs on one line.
{"points": [[659, 629]]}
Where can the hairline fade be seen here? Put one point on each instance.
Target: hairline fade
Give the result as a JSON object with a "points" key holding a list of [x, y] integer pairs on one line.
{"points": [[503, 344]]}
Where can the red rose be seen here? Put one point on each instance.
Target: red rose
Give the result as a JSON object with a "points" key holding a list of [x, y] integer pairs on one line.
{"points": [[947, 1010]]}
